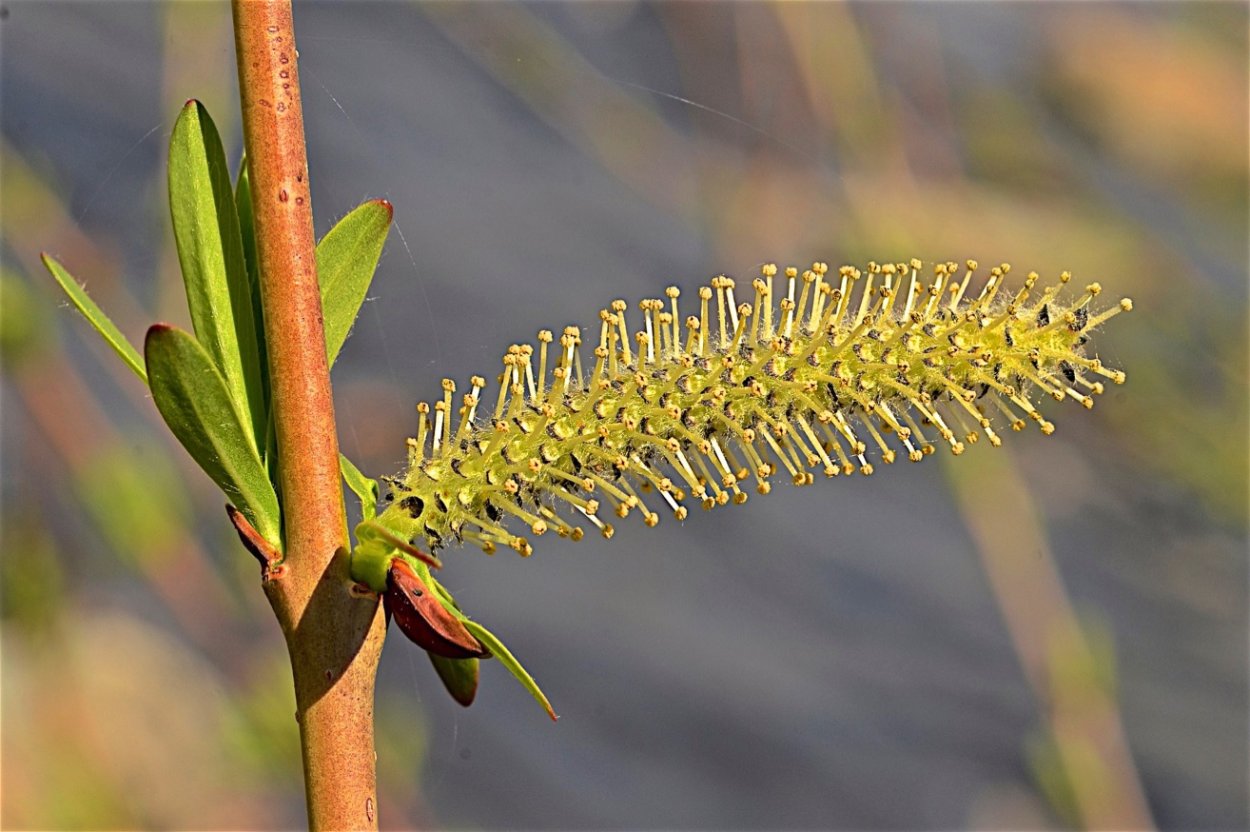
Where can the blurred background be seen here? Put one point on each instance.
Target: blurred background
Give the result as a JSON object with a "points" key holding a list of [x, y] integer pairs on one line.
{"points": [[1048, 635]]}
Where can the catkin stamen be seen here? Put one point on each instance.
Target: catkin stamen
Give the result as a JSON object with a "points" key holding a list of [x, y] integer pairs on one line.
{"points": [[718, 283], [768, 271], [423, 426]]}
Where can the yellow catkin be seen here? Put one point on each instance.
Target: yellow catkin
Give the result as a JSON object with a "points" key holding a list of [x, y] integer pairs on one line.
{"points": [[824, 382]]}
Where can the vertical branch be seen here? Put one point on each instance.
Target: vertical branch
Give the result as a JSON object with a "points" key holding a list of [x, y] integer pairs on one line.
{"points": [[334, 637]]}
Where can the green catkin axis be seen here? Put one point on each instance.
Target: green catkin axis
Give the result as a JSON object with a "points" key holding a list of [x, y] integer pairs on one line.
{"points": [[820, 371]]}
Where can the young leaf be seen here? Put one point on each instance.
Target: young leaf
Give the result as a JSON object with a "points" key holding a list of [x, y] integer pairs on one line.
{"points": [[210, 251], [192, 397], [363, 487], [247, 235], [346, 259], [459, 676], [247, 230], [108, 331], [496, 648]]}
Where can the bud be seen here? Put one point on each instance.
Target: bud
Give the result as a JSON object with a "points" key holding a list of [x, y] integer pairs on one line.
{"points": [[459, 677], [424, 619]]}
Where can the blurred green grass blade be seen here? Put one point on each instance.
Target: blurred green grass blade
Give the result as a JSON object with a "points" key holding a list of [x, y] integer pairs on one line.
{"points": [[363, 487], [496, 648], [210, 251], [192, 398], [134, 493], [346, 259], [459, 676], [108, 331]]}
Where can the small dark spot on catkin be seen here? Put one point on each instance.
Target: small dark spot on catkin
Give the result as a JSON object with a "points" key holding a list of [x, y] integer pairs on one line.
{"points": [[414, 505]]}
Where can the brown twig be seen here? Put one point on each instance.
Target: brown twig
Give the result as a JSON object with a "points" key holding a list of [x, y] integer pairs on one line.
{"points": [[334, 636]]}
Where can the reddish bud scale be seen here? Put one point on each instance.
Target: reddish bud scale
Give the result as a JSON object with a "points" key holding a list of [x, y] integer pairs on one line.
{"points": [[423, 618]]}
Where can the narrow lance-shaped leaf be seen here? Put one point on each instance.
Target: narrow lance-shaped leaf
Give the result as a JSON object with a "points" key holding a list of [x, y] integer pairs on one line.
{"points": [[247, 235], [96, 317], [192, 397], [210, 252], [346, 259], [247, 232], [496, 648], [363, 487]]}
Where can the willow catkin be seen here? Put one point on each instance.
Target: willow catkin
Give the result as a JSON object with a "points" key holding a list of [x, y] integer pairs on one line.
{"points": [[667, 406]]}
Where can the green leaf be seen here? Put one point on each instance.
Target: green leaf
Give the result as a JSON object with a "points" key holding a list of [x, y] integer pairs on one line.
{"points": [[496, 648], [459, 676], [196, 405], [107, 329], [210, 251], [266, 442], [346, 260], [363, 487], [247, 229]]}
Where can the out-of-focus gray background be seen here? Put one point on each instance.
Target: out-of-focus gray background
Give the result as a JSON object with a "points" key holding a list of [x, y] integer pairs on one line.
{"points": [[1052, 634]]}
